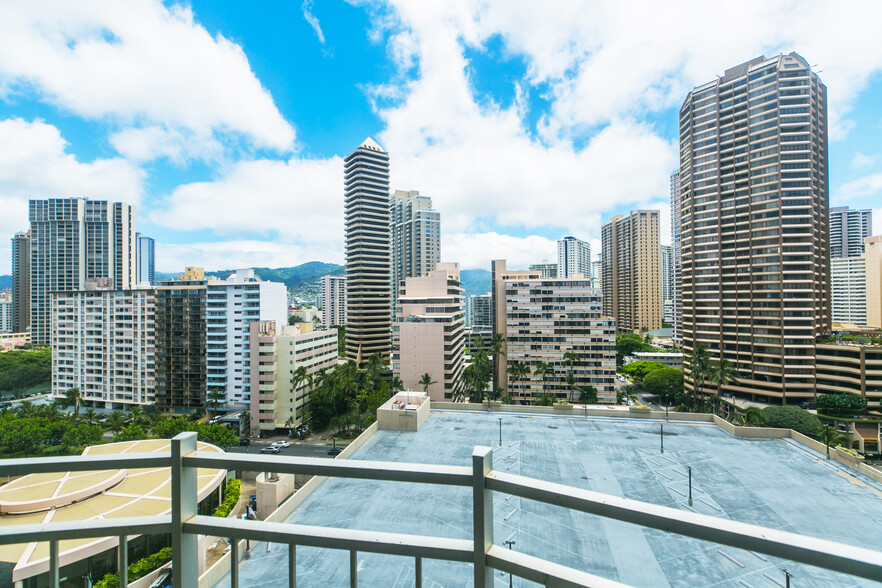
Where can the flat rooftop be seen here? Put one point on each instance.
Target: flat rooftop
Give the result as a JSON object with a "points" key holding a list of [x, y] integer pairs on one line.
{"points": [[775, 483]]}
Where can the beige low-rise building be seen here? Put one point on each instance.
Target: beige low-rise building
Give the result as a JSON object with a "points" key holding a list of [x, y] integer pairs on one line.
{"points": [[429, 332], [276, 353], [850, 368]]}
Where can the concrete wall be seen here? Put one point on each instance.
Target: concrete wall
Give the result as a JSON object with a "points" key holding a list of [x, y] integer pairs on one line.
{"points": [[271, 493]]}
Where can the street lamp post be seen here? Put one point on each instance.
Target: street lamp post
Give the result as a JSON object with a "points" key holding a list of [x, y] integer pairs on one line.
{"points": [[500, 431], [662, 437], [827, 440], [787, 575], [690, 484], [509, 543]]}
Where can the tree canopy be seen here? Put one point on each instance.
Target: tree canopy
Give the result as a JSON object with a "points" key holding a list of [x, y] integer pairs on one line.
{"points": [[628, 344], [792, 417], [666, 383]]}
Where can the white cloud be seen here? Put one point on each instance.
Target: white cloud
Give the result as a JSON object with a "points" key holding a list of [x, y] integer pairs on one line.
{"points": [[603, 62], [34, 163], [298, 203], [477, 250], [860, 161], [235, 254], [870, 185], [139, 64], [306, 7]]}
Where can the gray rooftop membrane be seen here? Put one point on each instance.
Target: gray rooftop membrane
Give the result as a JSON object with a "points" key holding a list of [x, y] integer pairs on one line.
{"points": [[774, 483]]}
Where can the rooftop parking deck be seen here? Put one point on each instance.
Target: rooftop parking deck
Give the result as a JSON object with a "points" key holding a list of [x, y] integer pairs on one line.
{"points": [[774, 483]]}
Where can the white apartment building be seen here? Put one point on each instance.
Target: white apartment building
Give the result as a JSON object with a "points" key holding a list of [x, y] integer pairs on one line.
{"points": [[333, 301], [231, 305], [573, 258], [479, 309], [546, 269], [5, 312], [848, 280], [667, 284], [428, 335], [276, 353], [103, 343]]}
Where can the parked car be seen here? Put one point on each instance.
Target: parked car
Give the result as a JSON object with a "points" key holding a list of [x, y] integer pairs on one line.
{"points": [[244, 441], [281, 444], [270, 449]]}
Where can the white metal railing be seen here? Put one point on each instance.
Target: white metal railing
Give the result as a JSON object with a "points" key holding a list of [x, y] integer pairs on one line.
{"points": [[184, 524]]}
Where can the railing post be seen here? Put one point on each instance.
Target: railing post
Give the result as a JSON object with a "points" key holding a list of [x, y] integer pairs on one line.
{"points": [[234, 563], [122, 561], [482, 503], [54, 577], [292, 565], [183, 495]]}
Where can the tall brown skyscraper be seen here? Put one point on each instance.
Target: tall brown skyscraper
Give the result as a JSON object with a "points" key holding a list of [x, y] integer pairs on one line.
{"points": [[754, 223], [631, 266], [368, 275]]}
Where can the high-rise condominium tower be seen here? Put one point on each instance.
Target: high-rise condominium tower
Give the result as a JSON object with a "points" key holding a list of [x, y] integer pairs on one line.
{"points": [[368, 292], [146, 272], [21, 278], [667, 283], [73, 239], [546, 268], [675, 258], [848, 229], [632, 271], [755, 244], [416, 238], [873, 267], [573, 258]]}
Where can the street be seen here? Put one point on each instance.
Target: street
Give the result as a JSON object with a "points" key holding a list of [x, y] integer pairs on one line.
{"points": [[295, 450]]}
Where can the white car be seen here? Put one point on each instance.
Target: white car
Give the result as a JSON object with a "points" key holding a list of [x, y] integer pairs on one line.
{"points": [[620, 378], [281, 444]]}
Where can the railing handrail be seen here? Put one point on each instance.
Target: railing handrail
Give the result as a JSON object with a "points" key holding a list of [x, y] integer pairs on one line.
{"points": [[822, 553], [337, 468]]}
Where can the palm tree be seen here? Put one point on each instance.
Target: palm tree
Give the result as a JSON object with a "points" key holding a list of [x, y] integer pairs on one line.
{"points": [[136, 416], [73, 397], [542, 370], [517, 372], [832, 438], [571, 384], [699, 367], [396, 384], [115, 421], [214, 398], [427, 381], [90, 415], [722, 373], [25, 409]]}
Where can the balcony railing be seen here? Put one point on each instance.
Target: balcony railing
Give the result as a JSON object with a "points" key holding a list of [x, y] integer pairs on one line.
{"points": [[185, 525]]}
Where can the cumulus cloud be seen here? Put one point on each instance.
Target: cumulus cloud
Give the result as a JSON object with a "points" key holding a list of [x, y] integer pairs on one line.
{"points": [[870, 185], [860, 161], [139, 65], [298, 204], [476, 250], [34, 163]]}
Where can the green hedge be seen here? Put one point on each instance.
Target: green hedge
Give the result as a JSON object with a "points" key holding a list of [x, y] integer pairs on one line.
{"points": [[231, 497], [841, 403], [792, 417], [139, 569]]}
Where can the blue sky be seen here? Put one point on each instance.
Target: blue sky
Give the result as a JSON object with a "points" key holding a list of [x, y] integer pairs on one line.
{"points": [[226, 122]]}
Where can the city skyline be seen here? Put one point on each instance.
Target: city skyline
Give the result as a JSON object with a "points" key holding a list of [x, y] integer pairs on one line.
{"points": [[189, 160]]}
